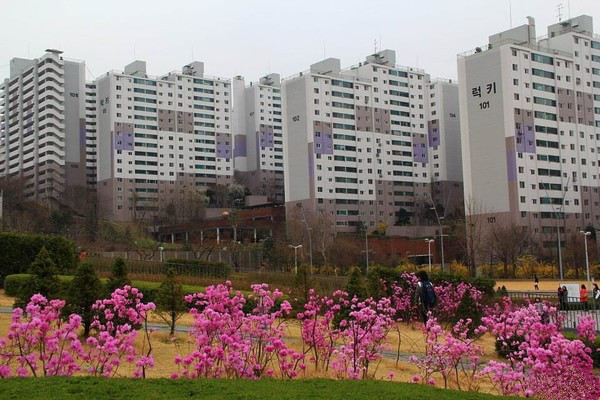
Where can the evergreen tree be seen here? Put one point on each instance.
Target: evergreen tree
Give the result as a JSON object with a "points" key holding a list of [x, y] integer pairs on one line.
{"points": [[118, 278], [170, 304], [84, 290], [356, 284], [42, 280]]}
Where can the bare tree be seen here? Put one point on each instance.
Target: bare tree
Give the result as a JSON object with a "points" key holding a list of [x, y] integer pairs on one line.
{"points": [[508, 243], [469, 233]]}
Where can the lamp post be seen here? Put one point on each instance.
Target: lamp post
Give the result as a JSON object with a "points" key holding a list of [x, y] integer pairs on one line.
{"points": [[160, 251], [308, 229], [439, 220], [366, 246], [231, 217], [295, 256], [587, 261], [558, 214], [429, 241]]}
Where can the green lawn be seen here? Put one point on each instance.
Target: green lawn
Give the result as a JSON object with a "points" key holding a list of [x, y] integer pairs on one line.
{"points": [[130, 389]]}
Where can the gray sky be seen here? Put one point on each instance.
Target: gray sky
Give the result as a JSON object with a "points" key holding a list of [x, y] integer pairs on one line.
{"points": [[252, 38]]}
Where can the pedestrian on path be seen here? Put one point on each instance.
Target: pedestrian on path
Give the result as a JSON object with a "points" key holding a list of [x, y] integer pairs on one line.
{"points": [[583, 297], [536, 282]]}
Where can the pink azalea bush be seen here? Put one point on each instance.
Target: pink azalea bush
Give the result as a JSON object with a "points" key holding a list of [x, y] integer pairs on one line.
{"points": [[454, 355], [244, 336], [117, 323], [40, 343], [537, 355], [230, 343]]}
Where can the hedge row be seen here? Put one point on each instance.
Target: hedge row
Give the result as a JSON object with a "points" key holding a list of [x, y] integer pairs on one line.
{"points": [[183, 266], [18, 251], [13, 284]]}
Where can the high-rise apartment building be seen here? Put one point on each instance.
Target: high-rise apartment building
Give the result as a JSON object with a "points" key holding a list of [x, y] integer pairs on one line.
{"points": [[259, 135], [161, 140], [360, 142], [42, 126], [530, 118]]}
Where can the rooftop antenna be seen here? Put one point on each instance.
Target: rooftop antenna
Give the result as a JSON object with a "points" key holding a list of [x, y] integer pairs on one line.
{"points": [[324, 56], [569, 8], [510, 12], [559, 8], [380, 43], [375, 45]]}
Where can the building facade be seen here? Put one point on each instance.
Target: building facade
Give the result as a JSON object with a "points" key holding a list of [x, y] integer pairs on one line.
{"points": [[43, 124], [360, 143], [531, 129], [163, 142], [258, 135]]}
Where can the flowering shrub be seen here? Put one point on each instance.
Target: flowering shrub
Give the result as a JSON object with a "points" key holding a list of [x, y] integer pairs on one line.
{"points": [[229, 343], [40, 343], [452, 354], [537, 352], [362, 336]]}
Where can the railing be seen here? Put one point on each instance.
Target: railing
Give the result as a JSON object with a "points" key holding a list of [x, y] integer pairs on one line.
{"points": [[531, 46], [571, 308]]}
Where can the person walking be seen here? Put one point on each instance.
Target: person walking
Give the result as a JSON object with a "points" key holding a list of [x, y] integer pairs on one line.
{"points": [[425, 298], [536, 282], [561, 297], [583, 297], [595, 295]]}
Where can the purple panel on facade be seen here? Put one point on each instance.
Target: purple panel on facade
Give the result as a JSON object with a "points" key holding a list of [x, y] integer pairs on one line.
{"points": [[322, 138], [511, 165], [419, 153], [124, 141], [224, 146], [433, 130], [311, 161], [524, 131], [239, 149]]}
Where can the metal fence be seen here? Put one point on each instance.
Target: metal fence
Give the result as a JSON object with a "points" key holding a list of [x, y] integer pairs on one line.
{"points": [[204, 274]]}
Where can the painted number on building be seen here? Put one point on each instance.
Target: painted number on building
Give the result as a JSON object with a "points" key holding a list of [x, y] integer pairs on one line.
{"points": [[452, 115], [491, 220], [74, 94], [296, 118], [483, 105]]}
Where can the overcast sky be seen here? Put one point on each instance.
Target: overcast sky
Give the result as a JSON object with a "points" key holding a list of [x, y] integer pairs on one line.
{"points": [[252, 38]]}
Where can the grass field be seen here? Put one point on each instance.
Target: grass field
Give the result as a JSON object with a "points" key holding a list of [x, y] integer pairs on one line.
{"points": [[97, 388]]}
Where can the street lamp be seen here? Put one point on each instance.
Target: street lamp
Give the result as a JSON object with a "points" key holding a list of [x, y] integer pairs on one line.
{"points": [[559, 214], [587, 261], [295, 256], [308, 229], [429, 241], [231, 217], [160, 251], [439, 220]]}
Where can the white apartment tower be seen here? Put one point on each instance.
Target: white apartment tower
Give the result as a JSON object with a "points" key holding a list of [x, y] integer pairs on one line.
{"points": [[531, 128], [259, 135], [43, 126], [359, 141], [161, 139]]}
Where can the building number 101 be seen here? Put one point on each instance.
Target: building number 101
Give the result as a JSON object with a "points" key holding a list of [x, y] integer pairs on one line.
{"points": [[484, 105]]}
